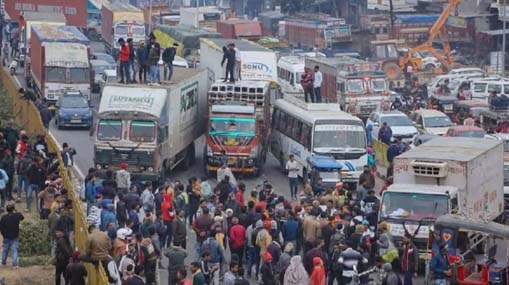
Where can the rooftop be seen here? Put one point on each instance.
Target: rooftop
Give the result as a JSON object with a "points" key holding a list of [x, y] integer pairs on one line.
{"points": [[242, 45], [179, 74], [121, 7], [50, 33]]}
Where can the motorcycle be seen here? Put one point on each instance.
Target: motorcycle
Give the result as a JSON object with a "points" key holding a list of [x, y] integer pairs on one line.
{"points": [[13, 66]]}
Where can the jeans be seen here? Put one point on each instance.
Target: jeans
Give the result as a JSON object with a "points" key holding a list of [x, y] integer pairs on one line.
{"points": [[10, 244], [59, 272], [294, 182], [230, 70], [239, 252], [154, 73], [23, 184], [408, 278], [124, 72], [168, 70], [318, 95], [33, 189], [169, 234], [142, 70], [308, 92], [2, 197], [215, 276], [250, 259], [132, 71]]}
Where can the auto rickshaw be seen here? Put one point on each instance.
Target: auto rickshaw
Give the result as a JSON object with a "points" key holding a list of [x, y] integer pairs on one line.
{"points": [[325, 167], [472, 249], [443, 103], [469, 108], [493, 121]]}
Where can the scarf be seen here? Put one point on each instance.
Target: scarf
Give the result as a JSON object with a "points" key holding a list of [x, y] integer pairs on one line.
{"points": [[295, 273]]}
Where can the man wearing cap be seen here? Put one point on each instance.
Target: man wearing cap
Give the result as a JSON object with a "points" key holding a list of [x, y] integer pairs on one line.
{"points": [[123, 178], [124, 61]]}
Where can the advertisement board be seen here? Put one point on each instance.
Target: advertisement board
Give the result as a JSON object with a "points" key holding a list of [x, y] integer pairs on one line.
{"points": [[258, 65]]}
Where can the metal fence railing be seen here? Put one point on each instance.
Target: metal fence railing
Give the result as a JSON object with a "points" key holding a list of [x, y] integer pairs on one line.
{"points": [[27, 116]]}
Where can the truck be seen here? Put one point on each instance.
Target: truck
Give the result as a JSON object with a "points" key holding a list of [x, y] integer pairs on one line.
{"points": [[238, 126], [59, 61], [445, 175], [257, 62], [25, 26], [75, 12], [360, 87], [121, 20], [151, 128]]}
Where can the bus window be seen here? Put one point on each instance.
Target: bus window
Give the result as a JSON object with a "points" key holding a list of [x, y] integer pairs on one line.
{"points": [[305, 137], [289, 126], [282, 122], [275, 117], [297, 130], [291, 79]]}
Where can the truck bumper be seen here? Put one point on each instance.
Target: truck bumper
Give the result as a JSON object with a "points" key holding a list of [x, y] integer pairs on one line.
{"points": [[235, 163]]}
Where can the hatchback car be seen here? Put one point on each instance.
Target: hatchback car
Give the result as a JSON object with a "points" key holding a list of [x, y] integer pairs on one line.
{"points": [[73, 110], [466, 132], [402, 128], [99, 66], [104, 56], [109, 76], [430, 121]]}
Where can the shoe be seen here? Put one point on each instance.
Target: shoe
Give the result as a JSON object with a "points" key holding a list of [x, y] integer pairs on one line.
{"points": [[121, 82], [134, 81]]}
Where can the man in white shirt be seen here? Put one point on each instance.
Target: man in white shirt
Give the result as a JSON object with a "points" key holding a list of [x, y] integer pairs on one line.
{"points": [[292, 167], [237, 62], [317, 84]]}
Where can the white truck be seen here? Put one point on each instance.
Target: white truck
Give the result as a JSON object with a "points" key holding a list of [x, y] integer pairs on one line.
{"points": [[151, 128], [257, 62], [443, 176]]}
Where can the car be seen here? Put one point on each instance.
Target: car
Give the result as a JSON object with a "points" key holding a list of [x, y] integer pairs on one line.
{"points": [[109, 75], [104, 56], [180, 62], [465, 132], [99, 66], [429, 121], [402, 128], [467, 71], [73, 110]]}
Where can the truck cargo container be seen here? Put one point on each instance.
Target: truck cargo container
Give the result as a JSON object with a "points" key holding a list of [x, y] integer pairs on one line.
{"points": [[187, 37], [151, 128], [315, 32], [59, 61], [270, 22], [121, 20], [74, 11], [445, 175], [239, 29], [257, 62]]}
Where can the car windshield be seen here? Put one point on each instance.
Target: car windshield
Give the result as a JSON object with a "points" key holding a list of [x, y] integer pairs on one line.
{"points": [[396, 121], [453, 84], [142, 131], [378, 84], [109, 130], [339, 138], [437, 122], [73, 102], [99, 69], [354, 85], [330, 175], [471, 134], [55, 74], [232, 127], [80, 75], [413, 206]]}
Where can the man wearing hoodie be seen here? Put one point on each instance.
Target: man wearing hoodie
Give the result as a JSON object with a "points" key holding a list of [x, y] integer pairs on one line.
{"points": [[237, 239], [142, 56], [107, 215], [179, 229], [123, 179], [168, 212]]}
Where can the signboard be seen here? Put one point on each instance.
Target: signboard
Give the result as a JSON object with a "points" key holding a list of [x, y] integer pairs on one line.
{"points": [[188, 105], [144, 100], [457, 22], [337, 32], [259, 65]]}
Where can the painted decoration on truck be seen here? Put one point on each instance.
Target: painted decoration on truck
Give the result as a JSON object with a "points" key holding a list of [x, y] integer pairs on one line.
{"points": [[144, 100], [188, 105], [258, 66]]}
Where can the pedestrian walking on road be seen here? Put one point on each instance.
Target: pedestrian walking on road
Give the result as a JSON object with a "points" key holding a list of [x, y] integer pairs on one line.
{"points": [[385, 134], [75, 271], [317, 84], [123, 178], [124, 61], [68, 154], [292, 167], [63, 252], [9, 227], [409, 260]]}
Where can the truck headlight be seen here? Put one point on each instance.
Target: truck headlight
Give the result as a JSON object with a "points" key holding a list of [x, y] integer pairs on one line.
{"points": [[150, 169], [254, 152]]}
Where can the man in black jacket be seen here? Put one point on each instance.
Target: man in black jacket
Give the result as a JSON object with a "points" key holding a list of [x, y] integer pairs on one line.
{"points": [[168, 57], [229, 57], [36, 177], [9, 227]]}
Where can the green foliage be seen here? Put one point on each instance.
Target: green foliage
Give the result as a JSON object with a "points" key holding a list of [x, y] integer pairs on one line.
{"points": [[27, 261], [5, 105], [34, 238]]}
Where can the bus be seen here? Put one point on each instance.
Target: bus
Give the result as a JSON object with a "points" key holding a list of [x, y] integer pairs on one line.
{"points": [[289, 71], [304, 129]]}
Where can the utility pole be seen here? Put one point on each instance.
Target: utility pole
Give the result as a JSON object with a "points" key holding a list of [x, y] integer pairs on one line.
{"points": [[391, 14], [503, 40], [150, 18]]}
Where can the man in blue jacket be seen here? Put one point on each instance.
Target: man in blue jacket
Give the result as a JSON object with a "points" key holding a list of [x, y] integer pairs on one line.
{"points": [[291, 230], [90, 192], [440, 266], [142, 57], [385, 134]]}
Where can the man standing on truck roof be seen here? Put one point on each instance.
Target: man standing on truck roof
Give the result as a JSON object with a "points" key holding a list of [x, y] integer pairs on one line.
{"points": [[124, 62], [306, 80], [229, 57], [317, 84], [132, 56], [168, 58], [237, 62], [142, 57]]}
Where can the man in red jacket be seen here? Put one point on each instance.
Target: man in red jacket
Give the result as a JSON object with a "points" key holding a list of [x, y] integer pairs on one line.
{"points": [[168, 212], [237, 239], [124, 61]]}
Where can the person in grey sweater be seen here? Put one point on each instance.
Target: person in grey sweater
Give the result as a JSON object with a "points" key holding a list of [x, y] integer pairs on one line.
{"points": [[177, 255]]}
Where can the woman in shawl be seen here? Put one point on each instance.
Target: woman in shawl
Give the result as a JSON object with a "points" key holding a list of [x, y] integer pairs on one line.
{"points": [[295, 273], [318, 274]]}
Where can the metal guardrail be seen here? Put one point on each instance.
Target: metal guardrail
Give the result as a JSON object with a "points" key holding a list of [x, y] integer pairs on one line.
{"points": [[27, 116]]}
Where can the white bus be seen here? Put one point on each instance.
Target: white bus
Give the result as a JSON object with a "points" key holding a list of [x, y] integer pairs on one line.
{"points": [[304, 129], [289, 71]]}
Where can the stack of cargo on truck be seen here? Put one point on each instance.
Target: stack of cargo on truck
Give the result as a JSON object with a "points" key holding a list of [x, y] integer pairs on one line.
{"points": [[360, 87], [443, 176], [75, 12], [59, 61], [121, 20], [238, 127], [151, 128]]}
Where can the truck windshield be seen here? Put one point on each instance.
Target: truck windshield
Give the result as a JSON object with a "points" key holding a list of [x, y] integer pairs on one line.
{"points": [[437, 122], [138, 30], [232, 127], [378, 84], [55, 74], [80, 75], [339, 138], [413, 206], [355, 85], [109, 130], [142, 131], [121, 29]]}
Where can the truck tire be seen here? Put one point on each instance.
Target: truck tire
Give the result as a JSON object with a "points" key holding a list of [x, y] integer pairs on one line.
{"points": [[392, 70]]}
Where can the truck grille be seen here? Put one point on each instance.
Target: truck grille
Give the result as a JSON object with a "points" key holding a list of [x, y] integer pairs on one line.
{"points": [[429, 169], [114, 158]]}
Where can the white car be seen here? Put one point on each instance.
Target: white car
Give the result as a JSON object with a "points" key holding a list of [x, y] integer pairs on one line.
{"points": [[108, 76], [402, 128], [468, 71], [431, 122]]}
